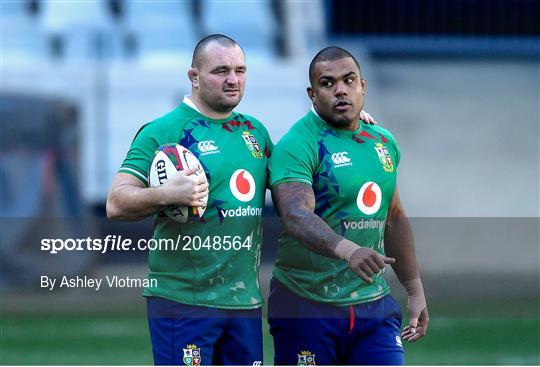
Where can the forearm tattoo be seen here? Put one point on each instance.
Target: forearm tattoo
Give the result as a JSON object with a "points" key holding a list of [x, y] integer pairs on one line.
{"points": [[296, 204]]}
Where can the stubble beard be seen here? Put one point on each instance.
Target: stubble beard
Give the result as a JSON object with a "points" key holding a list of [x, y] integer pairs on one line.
{"points": [[221, 104], [344, 122], [341, 122]]}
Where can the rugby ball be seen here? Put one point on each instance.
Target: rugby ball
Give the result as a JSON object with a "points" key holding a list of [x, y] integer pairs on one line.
{"points": [[169, 159]]}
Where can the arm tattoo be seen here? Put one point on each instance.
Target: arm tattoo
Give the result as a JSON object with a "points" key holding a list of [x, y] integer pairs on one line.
{"points": [[295, 202]]}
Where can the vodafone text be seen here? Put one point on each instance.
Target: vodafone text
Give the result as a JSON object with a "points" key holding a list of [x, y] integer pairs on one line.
{"points": [[242, 212], [118, 243], [364, 224]]}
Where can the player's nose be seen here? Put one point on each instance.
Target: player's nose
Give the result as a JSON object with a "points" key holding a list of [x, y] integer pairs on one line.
{"points": [[232, 78], [340, 90]]}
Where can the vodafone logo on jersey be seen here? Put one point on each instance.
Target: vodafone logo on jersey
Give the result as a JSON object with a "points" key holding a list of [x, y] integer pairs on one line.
{"points": [[242, 185], [369, 198]]}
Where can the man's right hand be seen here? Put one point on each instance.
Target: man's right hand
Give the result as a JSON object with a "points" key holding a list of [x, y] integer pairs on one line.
{"points": [[365, 262], [184, 188]]}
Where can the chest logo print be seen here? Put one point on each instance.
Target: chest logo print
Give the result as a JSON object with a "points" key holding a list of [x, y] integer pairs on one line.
{"points": [[207, 147], [252, 144], [384, 157], [369, 198], [341, 160], [242, 185]]}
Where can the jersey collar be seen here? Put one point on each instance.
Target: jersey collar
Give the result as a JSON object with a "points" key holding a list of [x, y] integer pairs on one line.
{"points": [[187, 100]]}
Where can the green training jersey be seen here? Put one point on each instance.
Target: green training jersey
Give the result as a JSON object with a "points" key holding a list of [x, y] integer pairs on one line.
{"points": [[214, 261], [353, 175]]}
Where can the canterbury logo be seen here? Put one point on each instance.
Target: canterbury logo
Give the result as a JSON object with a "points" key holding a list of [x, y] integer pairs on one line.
{"points": [[340, 158], [206, 146]]}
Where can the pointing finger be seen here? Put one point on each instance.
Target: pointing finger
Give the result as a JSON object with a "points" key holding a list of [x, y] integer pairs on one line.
{"points": [[373, 266], [379, 260]]}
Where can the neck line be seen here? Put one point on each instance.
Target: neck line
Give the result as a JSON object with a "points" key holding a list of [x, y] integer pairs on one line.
{"points": [[188, 101]]}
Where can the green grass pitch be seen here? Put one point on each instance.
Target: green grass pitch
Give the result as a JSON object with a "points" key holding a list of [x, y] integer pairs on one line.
{"points": [[115, 340]]}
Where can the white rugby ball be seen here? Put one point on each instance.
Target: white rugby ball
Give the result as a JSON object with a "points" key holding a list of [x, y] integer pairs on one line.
{"points": [[169, 159]]}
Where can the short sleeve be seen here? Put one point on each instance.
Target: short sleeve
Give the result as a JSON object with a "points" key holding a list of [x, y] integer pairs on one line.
{"points": [[269, 143], [292, 160], [140, 154]]}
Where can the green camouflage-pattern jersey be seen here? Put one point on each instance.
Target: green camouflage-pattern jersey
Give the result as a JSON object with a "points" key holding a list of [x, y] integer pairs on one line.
{"points": [[217, 260], [353, 176]]}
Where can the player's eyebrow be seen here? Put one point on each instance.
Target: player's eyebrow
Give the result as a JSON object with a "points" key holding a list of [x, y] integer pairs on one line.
{"points": [[220, 67], [331, 78], [349, 74], [226, 67], [324, 78]]}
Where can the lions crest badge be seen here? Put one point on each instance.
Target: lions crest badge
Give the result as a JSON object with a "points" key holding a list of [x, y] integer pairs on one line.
{"points": [[384, 157], [252, 144]]}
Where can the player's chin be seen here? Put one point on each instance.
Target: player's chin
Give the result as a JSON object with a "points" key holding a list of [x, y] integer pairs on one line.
{"points": [[230, 101], [341, 120], [349, 113]]}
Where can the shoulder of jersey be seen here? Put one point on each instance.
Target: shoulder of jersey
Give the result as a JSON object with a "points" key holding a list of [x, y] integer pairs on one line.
{"points": [[380, 130], [305, 128], [173, 118], [257, 124], [254, 121], [299, 134]]}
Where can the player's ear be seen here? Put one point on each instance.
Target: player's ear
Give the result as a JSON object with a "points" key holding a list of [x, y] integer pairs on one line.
{"points": [[364, 85], [310, 93], [193, 75]]}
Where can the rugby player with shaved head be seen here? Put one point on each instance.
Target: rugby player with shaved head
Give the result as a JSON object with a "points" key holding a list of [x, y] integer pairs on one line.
{"points": [[333, 180], [206, 308]]}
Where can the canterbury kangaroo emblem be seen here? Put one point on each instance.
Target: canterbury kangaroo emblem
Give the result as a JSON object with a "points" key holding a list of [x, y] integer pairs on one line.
{"points": [[208, 147], [341, 160]]}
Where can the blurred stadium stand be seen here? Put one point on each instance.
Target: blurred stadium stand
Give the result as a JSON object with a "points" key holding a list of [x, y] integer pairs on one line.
{"points": [[461, 28], [257, 28], [22, 36], [449, 78], [479, 18], [162, 27]]}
